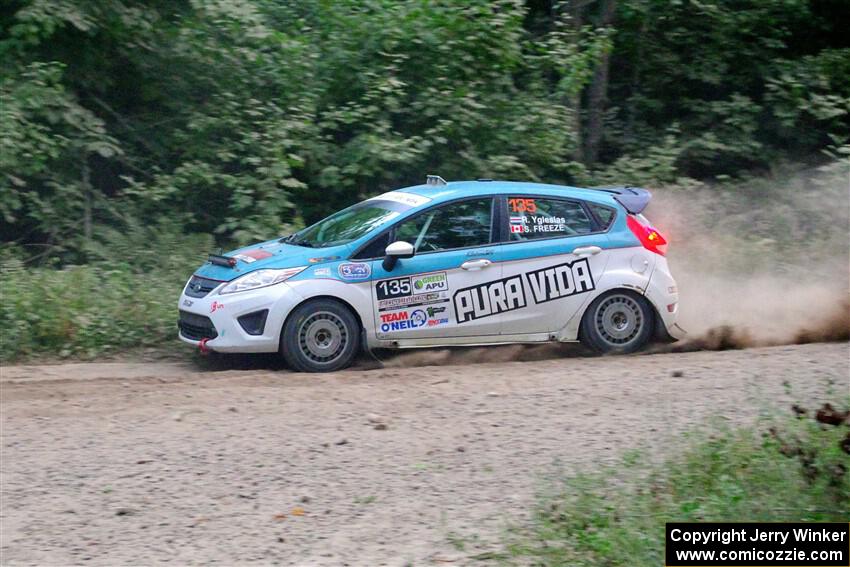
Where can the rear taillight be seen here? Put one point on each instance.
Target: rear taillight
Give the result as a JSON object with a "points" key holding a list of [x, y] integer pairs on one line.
{"points": [[650, 238]]}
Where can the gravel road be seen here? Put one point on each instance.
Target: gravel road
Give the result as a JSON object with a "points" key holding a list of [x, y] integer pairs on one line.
{"points": [[118, 463]]}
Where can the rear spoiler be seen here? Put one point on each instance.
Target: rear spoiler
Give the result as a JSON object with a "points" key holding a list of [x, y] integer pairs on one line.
{"points": [[633, 199]]}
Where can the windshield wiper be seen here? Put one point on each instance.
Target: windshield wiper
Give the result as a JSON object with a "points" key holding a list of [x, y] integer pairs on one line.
{"points": [[302, 243]]}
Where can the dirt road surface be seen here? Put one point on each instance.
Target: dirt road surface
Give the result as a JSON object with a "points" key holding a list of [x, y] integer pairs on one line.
{"points": [[114, 464]]}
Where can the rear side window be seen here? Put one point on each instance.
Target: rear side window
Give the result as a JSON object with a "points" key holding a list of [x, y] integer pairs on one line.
{"points": [[531, 218], [605, 215], [456, 225]]}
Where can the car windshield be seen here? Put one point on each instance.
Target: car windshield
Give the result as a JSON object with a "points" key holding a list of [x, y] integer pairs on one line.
{"points": [[347, 225]]}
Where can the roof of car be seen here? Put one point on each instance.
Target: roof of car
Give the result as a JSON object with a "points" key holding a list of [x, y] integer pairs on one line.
{"points": [[455, 189]]}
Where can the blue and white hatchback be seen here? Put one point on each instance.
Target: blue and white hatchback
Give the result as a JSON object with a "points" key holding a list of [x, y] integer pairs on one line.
{"points": [[443, 264]]}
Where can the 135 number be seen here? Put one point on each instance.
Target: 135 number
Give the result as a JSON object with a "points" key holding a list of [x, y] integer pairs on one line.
{"points": [[522, 205], [393, 288]]}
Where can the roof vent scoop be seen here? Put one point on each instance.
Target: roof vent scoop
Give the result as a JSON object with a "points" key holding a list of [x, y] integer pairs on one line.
{"points": [[434, 180]]}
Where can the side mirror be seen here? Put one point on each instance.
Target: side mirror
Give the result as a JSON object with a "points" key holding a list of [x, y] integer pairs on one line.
{"points": [[395, 252]]}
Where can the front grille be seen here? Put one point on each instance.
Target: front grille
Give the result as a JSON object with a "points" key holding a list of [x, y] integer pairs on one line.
{"points": [[200, 287], [196, 327]]}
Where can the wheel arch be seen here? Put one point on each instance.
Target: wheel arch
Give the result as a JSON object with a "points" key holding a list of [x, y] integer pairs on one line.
{"points": [[632, 290], [333, 298]]}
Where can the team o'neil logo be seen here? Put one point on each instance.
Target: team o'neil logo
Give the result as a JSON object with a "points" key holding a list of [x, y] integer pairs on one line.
{"points": [[508, 294], [403, 320]]}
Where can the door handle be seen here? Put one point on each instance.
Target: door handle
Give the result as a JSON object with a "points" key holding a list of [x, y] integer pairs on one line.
{"points": [[587, 250], [476, 264]]}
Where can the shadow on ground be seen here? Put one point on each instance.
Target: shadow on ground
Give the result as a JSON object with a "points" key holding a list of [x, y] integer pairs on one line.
{"points": [[388, 358]]}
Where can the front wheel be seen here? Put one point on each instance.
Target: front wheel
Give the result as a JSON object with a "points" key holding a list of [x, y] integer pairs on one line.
{"points": [[320, 336], [617, 322]]}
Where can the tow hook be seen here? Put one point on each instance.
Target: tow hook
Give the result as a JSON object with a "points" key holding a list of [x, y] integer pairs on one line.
{"points": [[202, 347]]}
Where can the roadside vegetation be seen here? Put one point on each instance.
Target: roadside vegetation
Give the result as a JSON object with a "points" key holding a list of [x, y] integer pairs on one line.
{"points": [[124, 299], [792, 469], [135, 137]]}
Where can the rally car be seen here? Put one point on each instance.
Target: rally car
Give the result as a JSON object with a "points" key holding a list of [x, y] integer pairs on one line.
{"points": [[443, 264]]}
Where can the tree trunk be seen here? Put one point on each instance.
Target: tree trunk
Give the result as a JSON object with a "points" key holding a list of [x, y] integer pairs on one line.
{"points": [[597, 94], [87, 201], [578, 21], [634, 87]]}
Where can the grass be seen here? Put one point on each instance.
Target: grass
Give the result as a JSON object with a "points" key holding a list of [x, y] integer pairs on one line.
{"points": [[125, 298], [86, 311], [796, 472]]}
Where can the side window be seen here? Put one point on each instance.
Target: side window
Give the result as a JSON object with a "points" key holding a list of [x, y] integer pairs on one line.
{"points": [[533, 218], [456, 225], [376, 248], [605, 215]]}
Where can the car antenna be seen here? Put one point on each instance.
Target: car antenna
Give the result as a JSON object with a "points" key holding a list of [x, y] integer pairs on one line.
{"points": [[434, 180]]}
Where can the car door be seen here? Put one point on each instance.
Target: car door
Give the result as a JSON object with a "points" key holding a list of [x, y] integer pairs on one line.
{"points": [[438, 292], [558, 247]]}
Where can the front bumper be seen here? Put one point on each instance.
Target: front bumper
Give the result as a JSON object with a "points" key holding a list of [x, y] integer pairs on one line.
{"points": [[216, 318]]}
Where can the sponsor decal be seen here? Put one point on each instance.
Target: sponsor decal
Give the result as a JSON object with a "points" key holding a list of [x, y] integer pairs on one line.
{"points": [[517, 224], [322, 259], [522, 205], [434, 317], [560, 281], [432, 282], [548, 224], [488, 299], [508, 294], [411, 320], [216, 306], [408, 199], [403, 320], [434, 311], [188, 302], [355, 271], [322, 272], [250, 256], [396, 287], [413, 300], [411, 286]]}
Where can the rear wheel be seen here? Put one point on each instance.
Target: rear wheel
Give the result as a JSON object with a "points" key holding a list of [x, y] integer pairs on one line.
{"points": [[320, 336], [617, 322]]}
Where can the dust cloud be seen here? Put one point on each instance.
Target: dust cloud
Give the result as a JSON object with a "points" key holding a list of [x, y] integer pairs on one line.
{"points": [[761, 263]]}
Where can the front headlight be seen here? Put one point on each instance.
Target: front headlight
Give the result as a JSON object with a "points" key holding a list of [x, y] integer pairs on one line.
{"points": [[260, 278]]}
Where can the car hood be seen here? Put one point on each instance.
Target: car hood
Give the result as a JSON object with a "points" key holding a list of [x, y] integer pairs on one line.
{"points": [[271, 254]]}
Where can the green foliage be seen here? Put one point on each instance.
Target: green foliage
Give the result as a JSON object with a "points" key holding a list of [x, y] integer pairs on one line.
{"points": [[617, 516], [221, 115], [747, 83], [242, 117], [125, 299], [45, 138]]}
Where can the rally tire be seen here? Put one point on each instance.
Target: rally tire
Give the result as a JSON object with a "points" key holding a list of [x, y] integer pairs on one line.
{"points": [[617, 322], [321, 335]]}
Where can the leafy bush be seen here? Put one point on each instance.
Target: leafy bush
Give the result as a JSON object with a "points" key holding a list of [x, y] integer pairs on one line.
{"points": [[616, 517], [126, 299], [237, 117]]}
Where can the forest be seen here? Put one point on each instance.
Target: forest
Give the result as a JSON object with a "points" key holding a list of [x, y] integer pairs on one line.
{"points": [[137, 136]]}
